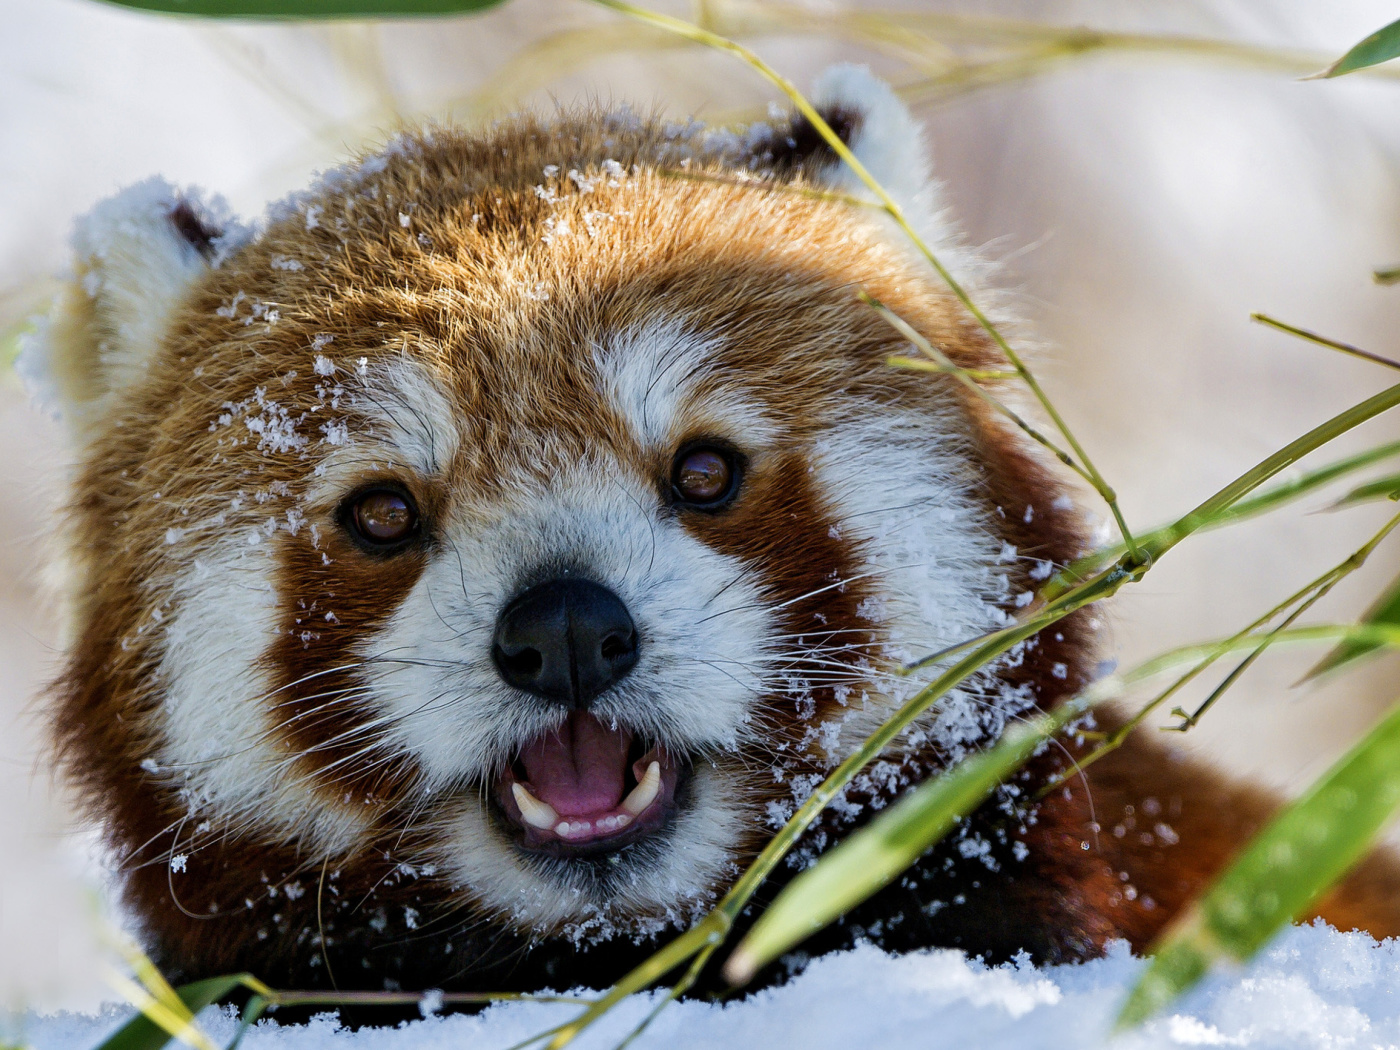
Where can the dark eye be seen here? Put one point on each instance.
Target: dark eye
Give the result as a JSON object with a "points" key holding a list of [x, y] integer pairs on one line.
{"points": [[704, 477], [382, 517]]}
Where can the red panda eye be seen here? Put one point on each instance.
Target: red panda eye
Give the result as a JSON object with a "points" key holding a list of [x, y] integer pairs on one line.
{"points": [[383, 517], [703, 477]]}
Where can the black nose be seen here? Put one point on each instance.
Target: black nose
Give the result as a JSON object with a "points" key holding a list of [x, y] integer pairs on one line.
{"points": [[565, 640]]}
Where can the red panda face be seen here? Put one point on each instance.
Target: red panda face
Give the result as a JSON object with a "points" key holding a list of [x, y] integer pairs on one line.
{"points": [[513, 526]]}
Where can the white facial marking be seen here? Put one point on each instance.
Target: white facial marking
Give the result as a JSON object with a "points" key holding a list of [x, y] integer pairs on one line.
{"points": [[221, 748], [411, 414], [654, 376], [906, 499]]}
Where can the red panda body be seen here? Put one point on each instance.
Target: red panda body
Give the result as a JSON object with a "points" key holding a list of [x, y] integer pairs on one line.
{"points": [[472, 568]]}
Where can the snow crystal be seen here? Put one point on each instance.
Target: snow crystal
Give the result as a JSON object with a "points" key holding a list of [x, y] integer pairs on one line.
{"points": [[1315, 988], [336, 431], [177, 862]]}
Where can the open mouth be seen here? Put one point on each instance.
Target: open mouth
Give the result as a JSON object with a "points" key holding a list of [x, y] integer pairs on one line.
{"points": [[587, 788]]}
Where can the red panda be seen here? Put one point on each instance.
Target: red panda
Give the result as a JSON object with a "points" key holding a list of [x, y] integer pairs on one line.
{"points": [[470, 566]]}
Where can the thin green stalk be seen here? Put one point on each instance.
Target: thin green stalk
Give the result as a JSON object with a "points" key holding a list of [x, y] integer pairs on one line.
{"points": [[1308, 595], [1268, 500], [1387, 635], [892, 208], [1340, 572], [977, 375], [1212, 509], [675, 992], [1322, 340], [947, 365]]}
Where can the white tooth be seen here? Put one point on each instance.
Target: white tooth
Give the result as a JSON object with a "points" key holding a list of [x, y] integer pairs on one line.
{"points": [[536, 813], [562, 829], [644, 794]]}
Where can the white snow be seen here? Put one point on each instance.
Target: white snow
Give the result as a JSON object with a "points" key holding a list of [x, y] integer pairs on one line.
{"points": [[1314, 988]]}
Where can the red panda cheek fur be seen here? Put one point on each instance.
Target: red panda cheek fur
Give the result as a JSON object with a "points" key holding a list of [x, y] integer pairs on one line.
{"points": [[296, 743]]}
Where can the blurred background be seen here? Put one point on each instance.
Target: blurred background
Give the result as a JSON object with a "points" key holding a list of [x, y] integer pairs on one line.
{"points": [[1144, 187]]}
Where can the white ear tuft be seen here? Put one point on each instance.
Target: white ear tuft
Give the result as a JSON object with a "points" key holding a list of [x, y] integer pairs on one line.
{"points": [[885, 138], [889, 142], [135, 256]]}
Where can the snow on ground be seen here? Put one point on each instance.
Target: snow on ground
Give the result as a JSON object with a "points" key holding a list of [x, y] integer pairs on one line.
{"points": [[1314, 988]]}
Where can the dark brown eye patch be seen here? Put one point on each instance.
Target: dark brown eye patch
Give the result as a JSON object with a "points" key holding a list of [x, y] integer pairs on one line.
{"points": [[382, 517], [704, 477]]}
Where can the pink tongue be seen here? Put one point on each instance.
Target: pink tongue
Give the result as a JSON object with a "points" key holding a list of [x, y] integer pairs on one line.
{"points": [[579, 768]]}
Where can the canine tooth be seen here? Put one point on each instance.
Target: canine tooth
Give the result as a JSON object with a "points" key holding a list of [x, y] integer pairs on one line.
{"points": [[644, 794], [536, 813]]}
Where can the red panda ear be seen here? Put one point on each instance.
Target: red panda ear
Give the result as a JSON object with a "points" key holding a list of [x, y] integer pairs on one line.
{"points": [[869, 118], [884, 136], [879, 129], [136, 255]]}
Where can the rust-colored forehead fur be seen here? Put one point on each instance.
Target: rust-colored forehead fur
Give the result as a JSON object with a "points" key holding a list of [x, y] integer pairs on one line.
{"points": [[505, 281]]}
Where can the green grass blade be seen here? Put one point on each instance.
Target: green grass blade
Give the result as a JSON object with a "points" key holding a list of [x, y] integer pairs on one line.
{"points": [[1384, 612], [1268, 500], [1387, 487], [1380, 46], [870, 859], [308, 9], [142, 1033], [1305, 849]]}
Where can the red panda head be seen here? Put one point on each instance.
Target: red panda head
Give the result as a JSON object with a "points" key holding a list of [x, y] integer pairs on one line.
{"points": [[517, 526]]}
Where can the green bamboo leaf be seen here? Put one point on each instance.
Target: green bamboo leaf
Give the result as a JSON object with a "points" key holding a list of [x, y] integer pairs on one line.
{"points": [[141, 1033], [1311, 844], [308, 9], [1384, 612], [1387, 487], [874, 856], [1380, 46]]}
